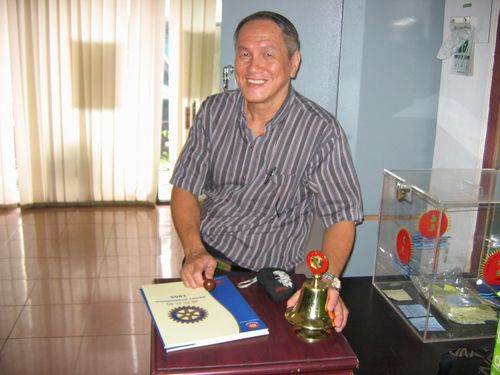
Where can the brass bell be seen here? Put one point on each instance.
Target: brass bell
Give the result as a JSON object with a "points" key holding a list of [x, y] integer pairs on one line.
{"points": [[309, 316]]}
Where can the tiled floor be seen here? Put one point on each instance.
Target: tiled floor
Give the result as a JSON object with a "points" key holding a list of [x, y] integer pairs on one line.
{"points": [[69, 287]]}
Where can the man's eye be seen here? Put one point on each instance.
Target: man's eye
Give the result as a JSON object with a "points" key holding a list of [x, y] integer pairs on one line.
{"points": [[269, 54]]}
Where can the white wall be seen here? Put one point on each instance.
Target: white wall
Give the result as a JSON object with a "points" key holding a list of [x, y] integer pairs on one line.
{"points": [[319, 28], [388, 98], [464, 100]]}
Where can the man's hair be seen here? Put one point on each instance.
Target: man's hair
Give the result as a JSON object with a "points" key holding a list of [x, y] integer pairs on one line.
{"points": [[290, 33]]}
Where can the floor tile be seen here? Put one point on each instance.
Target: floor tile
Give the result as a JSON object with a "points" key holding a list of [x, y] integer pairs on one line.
{"points": [[37, 232], [145, 265], [164, 215], [62, 291], [140, 215], [114, 355], [4, 248], [133, 246], [114, 214], [9, 223], [8, 317], [78, 246], [40, 356], [74, 267], [95, 231], [8, 230], [53, 215], [167, 230], [135, 230], [10, 216], [22, 268], [119, 289], [51, 321], [170, 245], [118, 319], [29, 248], [15, 292], [94, 215], [169, 265]]}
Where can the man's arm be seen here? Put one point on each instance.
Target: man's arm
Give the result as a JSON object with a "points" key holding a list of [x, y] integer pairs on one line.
{"points": [[186, 213], [337, 245]]}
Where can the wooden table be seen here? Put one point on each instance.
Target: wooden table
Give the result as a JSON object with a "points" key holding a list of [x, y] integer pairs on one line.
{"points": [[280, 352]]}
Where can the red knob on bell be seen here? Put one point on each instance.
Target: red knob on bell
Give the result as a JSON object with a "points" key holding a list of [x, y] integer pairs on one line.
{"points": [[317, 262]]}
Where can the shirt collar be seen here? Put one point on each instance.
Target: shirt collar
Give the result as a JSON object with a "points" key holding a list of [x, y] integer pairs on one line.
{"points": [[279, 116]]}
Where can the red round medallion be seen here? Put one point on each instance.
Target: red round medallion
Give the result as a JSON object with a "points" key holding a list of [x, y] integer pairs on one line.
{"points": [[428, 223], [403, 245], [317, 262], [491, 269]]}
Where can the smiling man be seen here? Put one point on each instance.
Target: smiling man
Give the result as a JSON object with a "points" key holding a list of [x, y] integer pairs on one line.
{"points": [[265, 158], [264, 66]]}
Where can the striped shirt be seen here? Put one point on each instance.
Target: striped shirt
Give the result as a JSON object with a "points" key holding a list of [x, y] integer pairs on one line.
{"points": [[261, 191]]}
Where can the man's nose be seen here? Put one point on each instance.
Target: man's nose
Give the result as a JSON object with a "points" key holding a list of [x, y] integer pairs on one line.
{"points": [[256, 63]]}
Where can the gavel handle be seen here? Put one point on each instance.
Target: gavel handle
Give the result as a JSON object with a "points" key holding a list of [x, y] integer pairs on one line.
{"points": [[208, 284]]}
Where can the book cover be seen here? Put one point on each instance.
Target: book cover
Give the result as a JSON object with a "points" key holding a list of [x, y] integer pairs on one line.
{"points": [[187, 318]]}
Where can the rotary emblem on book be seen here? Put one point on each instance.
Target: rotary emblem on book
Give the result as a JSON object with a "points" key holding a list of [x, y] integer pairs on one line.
{"points": [[188, 314]]}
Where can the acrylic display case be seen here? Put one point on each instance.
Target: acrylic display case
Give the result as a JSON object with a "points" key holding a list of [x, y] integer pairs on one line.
{"points": [[438, 251]]}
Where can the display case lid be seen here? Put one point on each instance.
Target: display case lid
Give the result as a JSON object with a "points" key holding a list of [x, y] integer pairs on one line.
{"points": [[451, 187]]}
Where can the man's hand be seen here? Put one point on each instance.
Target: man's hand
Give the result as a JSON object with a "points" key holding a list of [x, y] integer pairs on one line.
{"points": [[198, 265], [336, 309], [334, 306]]}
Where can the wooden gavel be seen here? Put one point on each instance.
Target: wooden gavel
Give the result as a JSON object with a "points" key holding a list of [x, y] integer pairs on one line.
{"points": [[208, 284]]}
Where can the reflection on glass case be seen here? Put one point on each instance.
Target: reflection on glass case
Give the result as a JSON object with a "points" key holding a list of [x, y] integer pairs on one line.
{"points": [[438, 251]]}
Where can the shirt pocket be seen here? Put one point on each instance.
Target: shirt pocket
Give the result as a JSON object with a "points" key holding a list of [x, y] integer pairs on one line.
{"points": [[270, 197]]}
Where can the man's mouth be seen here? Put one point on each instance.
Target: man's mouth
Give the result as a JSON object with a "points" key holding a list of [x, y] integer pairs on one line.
{"points": [[256, 81]]}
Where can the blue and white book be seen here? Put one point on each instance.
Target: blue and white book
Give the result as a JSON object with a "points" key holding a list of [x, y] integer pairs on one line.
{"points": [[187, 318]]}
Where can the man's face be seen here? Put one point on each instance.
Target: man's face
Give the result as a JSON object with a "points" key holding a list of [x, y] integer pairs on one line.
{"points": [[262, 66]]}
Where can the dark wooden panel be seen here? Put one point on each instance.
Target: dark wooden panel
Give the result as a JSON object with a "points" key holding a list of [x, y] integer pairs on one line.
{"points": [[383, 342]]}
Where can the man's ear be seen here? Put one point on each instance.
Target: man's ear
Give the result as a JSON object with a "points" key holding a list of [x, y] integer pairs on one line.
{"points": [[295, 61]]}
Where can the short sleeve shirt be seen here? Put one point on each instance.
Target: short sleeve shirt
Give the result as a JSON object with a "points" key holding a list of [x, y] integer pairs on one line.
{"points": [[261, 191]]}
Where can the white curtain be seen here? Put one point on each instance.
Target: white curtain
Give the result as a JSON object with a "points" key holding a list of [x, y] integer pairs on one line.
{"points": [[194, 64], [84, 98], [9, 194]]}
